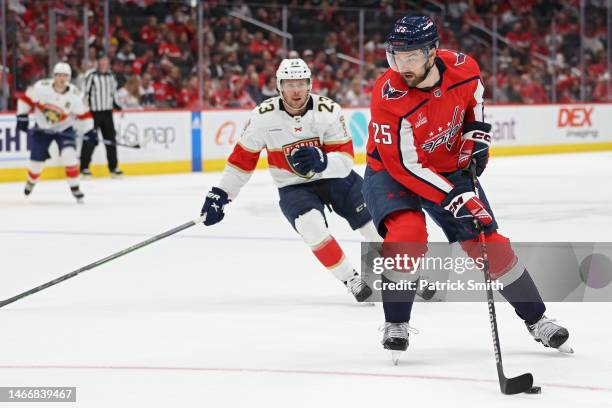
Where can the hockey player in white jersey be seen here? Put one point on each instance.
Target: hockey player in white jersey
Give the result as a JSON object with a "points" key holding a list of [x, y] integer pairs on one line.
{"points": [[310, 156], [58, 109]]}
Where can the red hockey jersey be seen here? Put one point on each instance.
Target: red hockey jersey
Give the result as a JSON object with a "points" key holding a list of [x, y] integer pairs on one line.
{"points": [[415, 134]]}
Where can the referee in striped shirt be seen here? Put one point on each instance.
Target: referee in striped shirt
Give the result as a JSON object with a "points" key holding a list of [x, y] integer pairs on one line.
{"points": [[100, 92]]}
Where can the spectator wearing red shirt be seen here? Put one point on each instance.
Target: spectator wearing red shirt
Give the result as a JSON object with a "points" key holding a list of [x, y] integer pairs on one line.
{"points": [[149, 32], [188, 96], [519, 36], [168, 46], [532, 91]]}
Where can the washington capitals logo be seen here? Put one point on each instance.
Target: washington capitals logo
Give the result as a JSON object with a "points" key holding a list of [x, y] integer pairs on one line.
{"points": [[389, 92]]}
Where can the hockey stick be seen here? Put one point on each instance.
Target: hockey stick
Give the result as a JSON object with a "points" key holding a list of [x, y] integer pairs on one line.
{"points": [[104, 260], [111, 143], [524, 382]]}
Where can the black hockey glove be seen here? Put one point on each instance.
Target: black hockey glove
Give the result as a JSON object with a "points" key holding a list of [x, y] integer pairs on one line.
{"points": [[475, 144], [22, 123], [216, 199], [308, 159]]}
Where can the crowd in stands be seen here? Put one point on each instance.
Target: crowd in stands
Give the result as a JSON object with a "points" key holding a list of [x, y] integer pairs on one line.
{"points": [[153, 47]]}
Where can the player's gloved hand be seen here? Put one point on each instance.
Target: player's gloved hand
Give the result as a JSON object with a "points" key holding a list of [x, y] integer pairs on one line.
{"points": [[462, 202], [216, 199], [22, 123], [307, 159], [475, 144]]}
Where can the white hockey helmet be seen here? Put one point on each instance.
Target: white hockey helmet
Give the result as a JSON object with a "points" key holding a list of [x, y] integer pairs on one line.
{"points": [[292, 68], [62, 68]]}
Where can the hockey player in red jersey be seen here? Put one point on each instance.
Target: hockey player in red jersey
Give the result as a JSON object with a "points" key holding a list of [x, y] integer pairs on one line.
{"points": [[427, 127]]}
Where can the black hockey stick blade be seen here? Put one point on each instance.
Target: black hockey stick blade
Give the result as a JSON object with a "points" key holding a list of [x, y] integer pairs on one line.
{"points": [[516, 385]]}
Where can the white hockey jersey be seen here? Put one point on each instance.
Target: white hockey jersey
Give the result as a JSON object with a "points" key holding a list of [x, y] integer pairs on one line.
{"points": [[53, 110], [270, 127]]}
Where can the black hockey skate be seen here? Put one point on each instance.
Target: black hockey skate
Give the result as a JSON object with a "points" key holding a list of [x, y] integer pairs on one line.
{"points": [[116, 173], [78, 194], [86, 174], [28, 188], [395, 338], [552, 335], [358, 287]]}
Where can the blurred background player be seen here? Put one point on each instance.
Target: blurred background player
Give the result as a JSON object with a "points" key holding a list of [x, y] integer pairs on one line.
{"points": [[57, 106], [100, 93], [427, 127], [310, 155]]}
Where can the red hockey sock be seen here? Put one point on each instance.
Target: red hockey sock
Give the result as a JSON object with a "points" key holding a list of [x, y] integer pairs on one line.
{"points": [[329, 253], [72, 171], [33, 177]]}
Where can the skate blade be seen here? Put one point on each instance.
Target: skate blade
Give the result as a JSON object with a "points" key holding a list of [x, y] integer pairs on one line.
{"points": [[395, 356], [80, 201], [566, 348]]}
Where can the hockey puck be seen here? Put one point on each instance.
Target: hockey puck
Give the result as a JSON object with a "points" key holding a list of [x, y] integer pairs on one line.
{"points": [[534, 390]]}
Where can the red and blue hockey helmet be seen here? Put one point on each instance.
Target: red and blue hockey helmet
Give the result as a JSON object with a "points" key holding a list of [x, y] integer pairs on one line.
{"points": [[411, 33]]}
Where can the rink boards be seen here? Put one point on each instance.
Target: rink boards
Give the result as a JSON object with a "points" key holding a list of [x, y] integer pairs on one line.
{"points": [[174, 141]]}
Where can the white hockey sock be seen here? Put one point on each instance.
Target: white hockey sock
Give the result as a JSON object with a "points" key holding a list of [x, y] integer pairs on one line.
{"points": [[35, 170], [311, 226], [69, 160]]}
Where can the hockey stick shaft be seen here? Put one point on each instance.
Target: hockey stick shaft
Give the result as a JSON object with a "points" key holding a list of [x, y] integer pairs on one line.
{"points": [[104, 260], [111, 143], [507, 385], [487, 276]]}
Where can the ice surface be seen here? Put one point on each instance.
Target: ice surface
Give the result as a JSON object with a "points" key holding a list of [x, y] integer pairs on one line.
{"points": [[241, 314]]}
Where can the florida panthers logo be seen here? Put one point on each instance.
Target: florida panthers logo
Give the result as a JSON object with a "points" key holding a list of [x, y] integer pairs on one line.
{"points": [[53, 114], [389, 92], [289, 148]]}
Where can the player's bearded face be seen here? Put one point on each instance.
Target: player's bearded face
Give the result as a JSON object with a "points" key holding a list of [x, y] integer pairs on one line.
{"points": [[295, 92], [413, 66]]}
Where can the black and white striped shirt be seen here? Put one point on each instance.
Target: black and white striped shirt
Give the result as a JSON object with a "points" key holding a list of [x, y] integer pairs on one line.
{"points": [[100, 91]]}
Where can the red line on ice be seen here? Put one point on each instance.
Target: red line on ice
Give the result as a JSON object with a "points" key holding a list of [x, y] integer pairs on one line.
{"points": [[286, 371]]}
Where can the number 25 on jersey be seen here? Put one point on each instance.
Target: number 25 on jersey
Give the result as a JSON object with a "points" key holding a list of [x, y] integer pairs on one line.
{"points": [[382, 133]]}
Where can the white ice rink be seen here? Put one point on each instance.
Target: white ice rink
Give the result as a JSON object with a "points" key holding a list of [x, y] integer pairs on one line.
{"points": [[242, 315]]}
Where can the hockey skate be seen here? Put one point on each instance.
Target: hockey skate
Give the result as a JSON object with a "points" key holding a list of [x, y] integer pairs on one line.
{"points": [[395, 338], [28, 188], [116, 173], [548, 333], [358, 287], [86, 174], [78, 194]]}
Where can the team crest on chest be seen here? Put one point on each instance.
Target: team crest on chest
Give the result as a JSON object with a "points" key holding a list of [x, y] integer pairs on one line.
{"points": [[290, 147], [445, 135], [389, 92]]}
